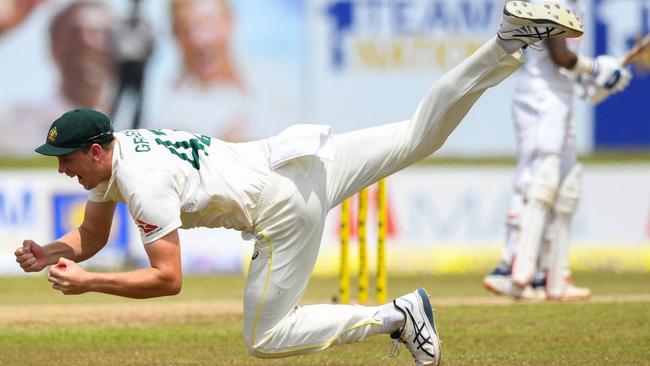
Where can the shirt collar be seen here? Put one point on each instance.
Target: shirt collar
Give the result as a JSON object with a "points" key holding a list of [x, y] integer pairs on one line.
{"points": [[117, 154]]}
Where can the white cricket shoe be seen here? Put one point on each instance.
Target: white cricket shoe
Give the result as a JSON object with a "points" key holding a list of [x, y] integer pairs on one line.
{"points": [[502, 285], [530, 23], [572, 293], [419, 332], [533, 293]]}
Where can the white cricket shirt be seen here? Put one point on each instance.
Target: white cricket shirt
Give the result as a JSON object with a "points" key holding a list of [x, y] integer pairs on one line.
{"points": [[174, 179]]}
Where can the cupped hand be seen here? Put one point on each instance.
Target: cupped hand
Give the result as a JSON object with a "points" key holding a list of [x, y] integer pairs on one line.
{"points": [[68, 277]]}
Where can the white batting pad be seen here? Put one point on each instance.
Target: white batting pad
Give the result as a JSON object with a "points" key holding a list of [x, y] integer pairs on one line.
{"points": [[565, 207], [541, 196]]}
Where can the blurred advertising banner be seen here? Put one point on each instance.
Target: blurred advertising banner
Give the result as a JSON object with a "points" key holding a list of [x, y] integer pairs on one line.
{"points": [[229, 69], [623, 121], [247, 69], [370, 62], [67, 214], [43, 205], [456, 223], [21, 217]]}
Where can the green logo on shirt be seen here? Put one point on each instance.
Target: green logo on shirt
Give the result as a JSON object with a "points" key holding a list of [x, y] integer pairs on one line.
{"points": [[192, 147], [140, 142]]}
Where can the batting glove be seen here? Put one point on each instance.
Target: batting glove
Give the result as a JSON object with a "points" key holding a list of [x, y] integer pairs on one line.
{"points": [[610, 75]]}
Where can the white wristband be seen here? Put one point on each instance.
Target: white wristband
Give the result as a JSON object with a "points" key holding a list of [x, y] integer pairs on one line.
{"points": [[584, 65]]}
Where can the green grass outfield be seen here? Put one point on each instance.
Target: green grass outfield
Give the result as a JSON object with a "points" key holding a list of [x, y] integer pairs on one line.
{"points": [[202, 326]]}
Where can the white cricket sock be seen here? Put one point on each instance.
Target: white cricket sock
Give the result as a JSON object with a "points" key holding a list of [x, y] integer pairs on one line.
{"points": [[392, 318], [510, 45]]}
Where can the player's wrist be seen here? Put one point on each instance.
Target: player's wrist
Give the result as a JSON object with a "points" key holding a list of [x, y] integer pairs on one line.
{"points": [[92, 282], [584, 65]]}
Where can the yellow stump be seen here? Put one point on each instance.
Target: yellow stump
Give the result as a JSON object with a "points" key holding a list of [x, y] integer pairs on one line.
{"points": [[344, 272], [382, 228], [362, 279]]}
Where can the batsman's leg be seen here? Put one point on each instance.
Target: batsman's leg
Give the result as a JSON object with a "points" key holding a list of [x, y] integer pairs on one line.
{"points": [[540, 198], [558, 277], [549, 140], [512, 232], [525, 119]]}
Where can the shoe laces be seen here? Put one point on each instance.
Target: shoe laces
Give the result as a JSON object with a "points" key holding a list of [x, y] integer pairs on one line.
{"points": [[394, 347]]}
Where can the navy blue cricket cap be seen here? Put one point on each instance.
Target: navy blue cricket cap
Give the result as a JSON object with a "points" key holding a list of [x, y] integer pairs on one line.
{"points": [[75, 130]]}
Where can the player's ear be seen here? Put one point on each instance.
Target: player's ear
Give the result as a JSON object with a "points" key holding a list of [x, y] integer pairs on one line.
{"points": [[95, 152]]}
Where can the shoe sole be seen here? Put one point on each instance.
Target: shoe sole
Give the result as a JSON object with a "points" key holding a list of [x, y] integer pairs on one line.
{"points": [[522, 13], [428, 311]]}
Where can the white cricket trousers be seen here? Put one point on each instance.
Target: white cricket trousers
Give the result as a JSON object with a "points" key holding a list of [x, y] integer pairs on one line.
{"points": [[544, 127], [290, 214]]}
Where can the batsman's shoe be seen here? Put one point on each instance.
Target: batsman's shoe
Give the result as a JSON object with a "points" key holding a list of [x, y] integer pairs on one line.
{"points": [[502, 285], [530, 23], [572, 293], [532, 293], [419, 332], [536, 291]]}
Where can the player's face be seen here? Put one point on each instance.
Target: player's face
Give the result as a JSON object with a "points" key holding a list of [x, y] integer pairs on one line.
{"points": [[80, 164]]}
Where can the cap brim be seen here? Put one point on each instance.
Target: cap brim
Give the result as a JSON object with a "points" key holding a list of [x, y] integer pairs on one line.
{"points": [[51, 150]]}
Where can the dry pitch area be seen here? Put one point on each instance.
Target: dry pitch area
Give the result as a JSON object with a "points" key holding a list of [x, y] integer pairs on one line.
{"points": [[202, 326]]}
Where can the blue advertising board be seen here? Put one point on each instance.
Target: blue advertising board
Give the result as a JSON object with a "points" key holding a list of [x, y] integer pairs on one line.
{"points": [[623, 121], [67, 213], [17, 208]]}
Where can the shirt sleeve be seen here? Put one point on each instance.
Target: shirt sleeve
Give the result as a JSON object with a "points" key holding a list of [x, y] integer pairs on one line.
{"points": [[97, 194], [153, 199]]}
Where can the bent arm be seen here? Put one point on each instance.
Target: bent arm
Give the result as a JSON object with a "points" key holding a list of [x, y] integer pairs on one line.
{"points": [[85, 241], [560, 54], [163, 278]]}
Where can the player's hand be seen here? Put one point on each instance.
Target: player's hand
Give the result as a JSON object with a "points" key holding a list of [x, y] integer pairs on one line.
{"points": [[610, 75], [31, 257], [68, 277]]}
